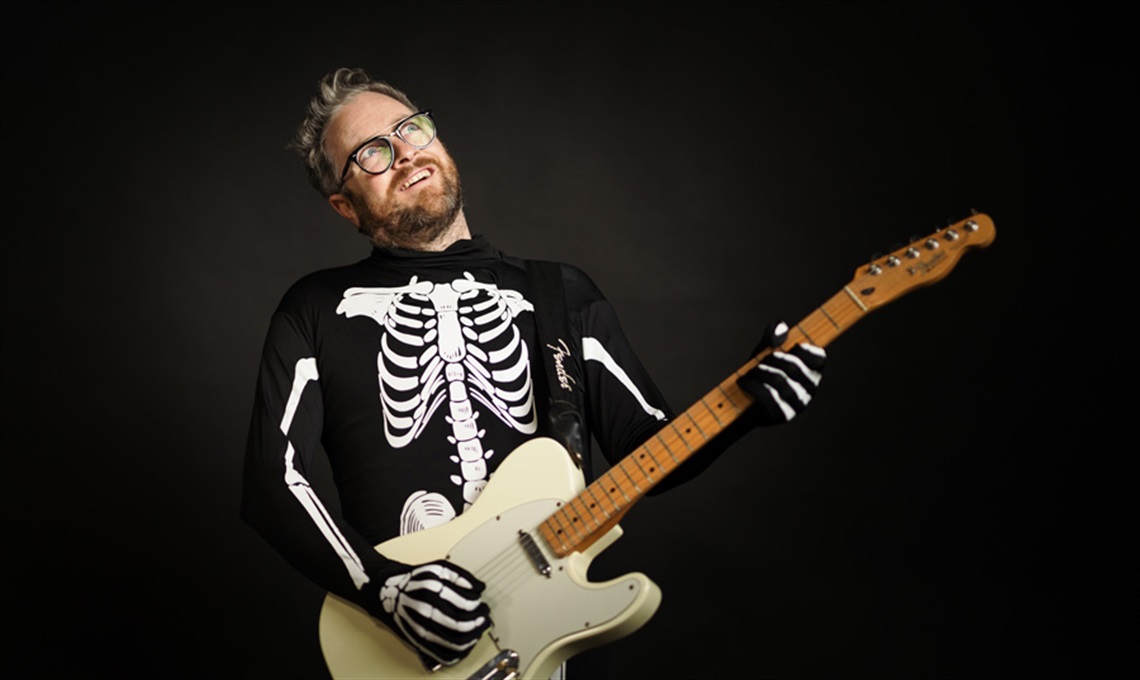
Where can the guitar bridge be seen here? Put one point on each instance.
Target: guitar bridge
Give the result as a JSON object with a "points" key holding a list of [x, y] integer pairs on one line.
{"points": [[503, 666]]}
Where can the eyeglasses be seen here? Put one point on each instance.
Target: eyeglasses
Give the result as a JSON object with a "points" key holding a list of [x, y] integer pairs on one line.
{"points": [[377, 155]]}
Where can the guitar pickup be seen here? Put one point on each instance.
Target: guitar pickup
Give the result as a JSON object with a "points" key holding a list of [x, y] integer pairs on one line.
{"points": [[534, 553]]}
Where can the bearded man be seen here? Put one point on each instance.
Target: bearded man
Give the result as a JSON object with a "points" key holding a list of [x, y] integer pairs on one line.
{"points": [[419, 368]]}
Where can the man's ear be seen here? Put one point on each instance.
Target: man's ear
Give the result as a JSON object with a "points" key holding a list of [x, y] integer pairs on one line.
{"points": [[343, 207]]}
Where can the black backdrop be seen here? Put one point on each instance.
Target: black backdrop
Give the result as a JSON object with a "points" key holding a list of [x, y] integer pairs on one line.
{"points": [[957, 503]]}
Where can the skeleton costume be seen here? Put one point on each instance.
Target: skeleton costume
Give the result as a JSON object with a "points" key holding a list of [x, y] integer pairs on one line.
{"points": [[415, 374]]}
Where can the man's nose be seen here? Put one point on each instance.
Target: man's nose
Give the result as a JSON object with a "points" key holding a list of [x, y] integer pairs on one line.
{"points": [[402, 151]]}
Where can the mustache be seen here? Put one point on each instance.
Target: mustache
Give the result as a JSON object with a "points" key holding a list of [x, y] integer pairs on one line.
{"points": [[422, 160]]}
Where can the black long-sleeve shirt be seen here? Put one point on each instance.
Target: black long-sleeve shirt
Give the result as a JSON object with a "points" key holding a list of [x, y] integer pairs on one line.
{"points": [[413, 373]]}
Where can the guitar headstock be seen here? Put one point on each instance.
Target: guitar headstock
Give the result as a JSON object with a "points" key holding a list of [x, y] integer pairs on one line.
{"points": [[924, 261]]}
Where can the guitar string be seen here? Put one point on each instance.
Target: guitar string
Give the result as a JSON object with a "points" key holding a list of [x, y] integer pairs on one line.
{"points": [[502, 573], [506, 581]]}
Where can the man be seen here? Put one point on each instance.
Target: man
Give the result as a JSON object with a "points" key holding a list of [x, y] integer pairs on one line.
{"points": [[412, 370]]}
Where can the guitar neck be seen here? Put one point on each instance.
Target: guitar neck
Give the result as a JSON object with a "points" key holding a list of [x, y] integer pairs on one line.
{"points": [[579, 523], [587, 517]]}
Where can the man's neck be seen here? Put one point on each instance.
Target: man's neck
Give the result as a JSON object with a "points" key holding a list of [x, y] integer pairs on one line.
{"points": [[458, 231]]}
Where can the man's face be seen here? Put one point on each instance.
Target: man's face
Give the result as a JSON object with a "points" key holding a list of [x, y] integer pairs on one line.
{"points": [[416, 200]]}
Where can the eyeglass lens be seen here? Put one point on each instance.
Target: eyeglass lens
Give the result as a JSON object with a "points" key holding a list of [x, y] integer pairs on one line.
{"points": [[377, 155]]}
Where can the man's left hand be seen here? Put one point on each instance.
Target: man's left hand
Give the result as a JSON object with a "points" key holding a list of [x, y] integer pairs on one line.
{"points": [[783, 383]]}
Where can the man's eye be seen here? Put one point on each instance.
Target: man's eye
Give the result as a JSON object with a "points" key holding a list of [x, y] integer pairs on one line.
{"points": [[368, 152]]}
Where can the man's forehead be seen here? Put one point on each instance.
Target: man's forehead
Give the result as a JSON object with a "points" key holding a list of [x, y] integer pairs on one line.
{"points": [[363, 117]]}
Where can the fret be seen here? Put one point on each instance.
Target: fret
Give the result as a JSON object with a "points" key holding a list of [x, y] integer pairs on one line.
{"points": [[712, 412], [731, 401], [616, 507], [554, 535], [806, 334], [616, 487], [689, 432], [596, 503], [660, 469], [622, 466], [581, 519], [565, 525], [669, 449]]}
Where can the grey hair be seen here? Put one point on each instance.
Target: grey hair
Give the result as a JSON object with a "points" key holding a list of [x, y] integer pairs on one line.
{"points": [[334, 90]]}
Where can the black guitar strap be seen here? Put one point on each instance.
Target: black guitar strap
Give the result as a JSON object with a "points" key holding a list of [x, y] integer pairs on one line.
{"points": [[564, 406]]}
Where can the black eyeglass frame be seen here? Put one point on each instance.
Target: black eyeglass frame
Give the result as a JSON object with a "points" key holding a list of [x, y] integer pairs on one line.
{"points": [[394, 133]]}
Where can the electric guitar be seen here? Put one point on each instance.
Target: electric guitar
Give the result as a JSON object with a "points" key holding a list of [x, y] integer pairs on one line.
{"points": [[533, 532]]}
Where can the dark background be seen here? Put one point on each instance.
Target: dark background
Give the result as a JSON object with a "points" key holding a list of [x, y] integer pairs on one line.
{"points": [[958, 502]]}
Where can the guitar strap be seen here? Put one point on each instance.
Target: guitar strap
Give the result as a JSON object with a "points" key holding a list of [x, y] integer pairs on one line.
{"points": [[564, 405]]}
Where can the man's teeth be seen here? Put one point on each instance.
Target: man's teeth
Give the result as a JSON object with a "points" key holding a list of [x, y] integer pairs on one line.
{"points": [[422, 174]]}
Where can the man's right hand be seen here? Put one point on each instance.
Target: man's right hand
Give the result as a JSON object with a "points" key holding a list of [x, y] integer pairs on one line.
{"points": [[436, 607]]}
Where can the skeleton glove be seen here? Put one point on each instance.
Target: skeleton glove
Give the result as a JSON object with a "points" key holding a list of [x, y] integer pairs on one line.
{"points": [[436, 608], [783, 383]]}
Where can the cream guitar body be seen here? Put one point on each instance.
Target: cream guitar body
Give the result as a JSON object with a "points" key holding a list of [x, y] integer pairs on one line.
{"points": [[540, 619]]}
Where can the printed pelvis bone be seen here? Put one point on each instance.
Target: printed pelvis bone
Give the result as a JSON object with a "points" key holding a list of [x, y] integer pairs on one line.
{"points": [[455, 342]]}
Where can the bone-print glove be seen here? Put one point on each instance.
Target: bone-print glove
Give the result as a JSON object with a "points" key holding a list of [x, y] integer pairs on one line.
{"points": [[783, 383], [436, 607]]}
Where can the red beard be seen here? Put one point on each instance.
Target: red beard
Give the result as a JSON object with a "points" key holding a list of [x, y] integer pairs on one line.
{"points": [[421, 222]]}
